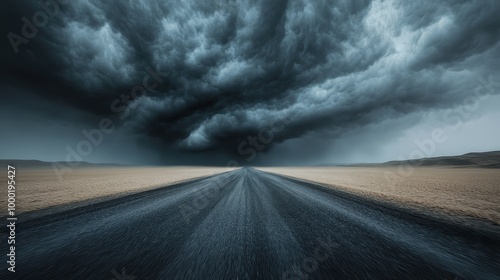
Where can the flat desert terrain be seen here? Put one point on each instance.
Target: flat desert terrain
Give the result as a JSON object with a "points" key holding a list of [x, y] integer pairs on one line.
{"points": [[458, 191], [39, 188]]}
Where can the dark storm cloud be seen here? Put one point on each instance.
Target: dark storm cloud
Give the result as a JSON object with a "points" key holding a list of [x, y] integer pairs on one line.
{"points": [[326, 67]]}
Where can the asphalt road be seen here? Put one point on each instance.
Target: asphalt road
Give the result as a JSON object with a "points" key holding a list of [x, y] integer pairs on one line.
{"points": [[248, 224]]}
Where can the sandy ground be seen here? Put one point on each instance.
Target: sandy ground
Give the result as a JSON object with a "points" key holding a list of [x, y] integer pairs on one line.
{"points": [[39, 188], [465, 192]]}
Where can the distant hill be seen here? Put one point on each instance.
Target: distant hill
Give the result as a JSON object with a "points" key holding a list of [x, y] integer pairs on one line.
{"points": [[21, 163], [486, 159]]}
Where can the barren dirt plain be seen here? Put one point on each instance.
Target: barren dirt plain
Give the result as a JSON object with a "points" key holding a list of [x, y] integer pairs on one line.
{"points": [[454, 191], [39, 188], [460, 192]]}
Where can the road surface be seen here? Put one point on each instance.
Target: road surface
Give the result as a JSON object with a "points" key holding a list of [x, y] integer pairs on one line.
{"points": [[247, 224]]}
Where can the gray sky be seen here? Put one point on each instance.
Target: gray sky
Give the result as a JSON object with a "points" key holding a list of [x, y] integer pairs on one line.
{"points": [[249, 82]]}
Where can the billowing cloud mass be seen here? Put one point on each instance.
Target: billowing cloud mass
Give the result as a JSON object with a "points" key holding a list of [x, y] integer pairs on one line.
{"points": [[285, 72]]}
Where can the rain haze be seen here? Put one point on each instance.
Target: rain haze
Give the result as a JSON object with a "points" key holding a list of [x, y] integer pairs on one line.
{"points": [[249, 82]]}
